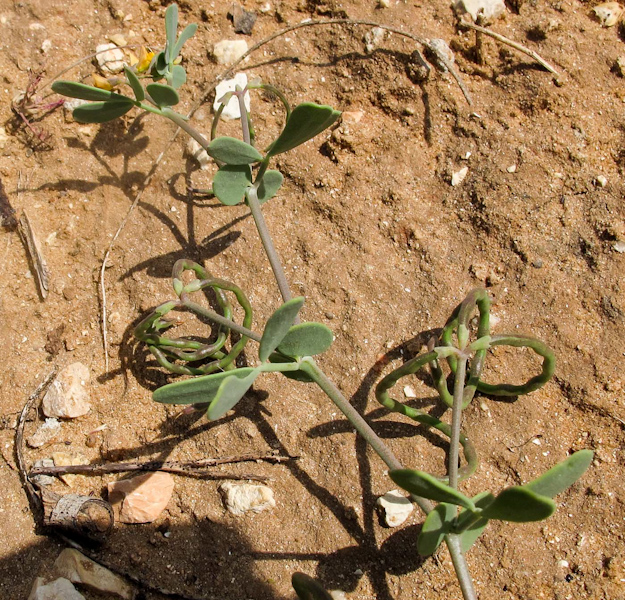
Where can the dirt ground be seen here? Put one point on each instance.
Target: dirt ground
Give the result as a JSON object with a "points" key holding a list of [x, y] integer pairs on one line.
{"points": [[382, 246]]}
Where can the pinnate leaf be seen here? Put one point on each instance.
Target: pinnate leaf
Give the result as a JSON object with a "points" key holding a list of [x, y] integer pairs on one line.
{"points": [[73, 89], [198, 390], [305, 122], [101, 112], [308, 588], [436, 526], [230, 183], [306, 339], [269, 186], [232, 151], [562, 476], [427, 486], [519, 505], [231, 390], [278, 326], [163, 95]]}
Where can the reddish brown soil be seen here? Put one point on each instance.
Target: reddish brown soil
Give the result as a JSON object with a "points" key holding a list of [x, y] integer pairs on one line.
{"points": [[383, 248]]}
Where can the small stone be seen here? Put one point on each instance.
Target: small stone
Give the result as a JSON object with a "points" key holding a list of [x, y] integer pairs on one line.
{"points": [[409, 392], [77, 568], [601, 181], [351, 117], [394, 508], [118, 39], [538, 263], [43, 479], [608, 13], [227, 52], [384, 3], [232, 110], [619, 66], [242, 20], [338, 594], [4, 137], [60, 589], [46, 45], [46, 434], [619, 247], [110, 58], [114, 446], [197, 152], [373, 38], [241, 498], [141, 499], [511, 169], [69, 293], [563, 564], [69, 105], [458, 177], [489, 9], [64, 459], [68, 397]]}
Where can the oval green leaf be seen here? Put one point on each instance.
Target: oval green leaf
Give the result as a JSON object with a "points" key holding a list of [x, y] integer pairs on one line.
{"points": [[278, 326], [306, 339], [135, 84], [519, 505], [470, 535], [101, 112], [171, 27], [199, 390], [232, 151], [562, 476], [229, 393], [81, 91], [163, 95], [187, 32], [178, 76], [230, 183], [269, 186], [159, 66], [436, 526], [305, 122], [308, 588], [427, 486]]}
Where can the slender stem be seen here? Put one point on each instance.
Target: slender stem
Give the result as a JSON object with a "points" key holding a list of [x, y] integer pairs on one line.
{"points": [[460, 566], [456, 421], [213, 316], [178, 120], [265, 237]]}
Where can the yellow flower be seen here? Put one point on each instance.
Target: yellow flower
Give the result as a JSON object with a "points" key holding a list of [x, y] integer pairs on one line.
{"points": [[145, 58], [101, 82]]}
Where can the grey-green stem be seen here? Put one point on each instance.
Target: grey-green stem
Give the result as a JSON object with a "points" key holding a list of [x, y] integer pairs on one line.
{"points": [[456, 421]]}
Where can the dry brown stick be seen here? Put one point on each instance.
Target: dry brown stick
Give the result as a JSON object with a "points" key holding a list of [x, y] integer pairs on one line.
{"points": [[504, 40], [19, 439], [196, 467]]}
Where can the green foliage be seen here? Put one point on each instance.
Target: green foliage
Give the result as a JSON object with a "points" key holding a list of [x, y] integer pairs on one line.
{"points": [[278, 326], [73, 89], [427, 486], [559, 478], [269, 185], [163, 95], [436, 526], [135, 84], [231, 390], [101, 112], [305, 122], [519, 505], [306, 339], [230, 183], [232, 151], [308, 588]]}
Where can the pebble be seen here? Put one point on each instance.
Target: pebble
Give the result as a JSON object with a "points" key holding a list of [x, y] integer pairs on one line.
{"points": [[458, 177], [4, 137], [619, 247], [232, 110], [118, 39], [601, 181], [69, 105], [619, 66], [338, 595], [114, 446], [351, 117], [43, 479], [68, 397], [384, 3], [373, 38], [59, 589], [47, 433], [141, 499], [409, 392], [77, 568], [608, 13], [64, 459], [46, 45], [110, 59], [511, 169], [245, 497], [394, 508], [491, 9], [227, 52]]}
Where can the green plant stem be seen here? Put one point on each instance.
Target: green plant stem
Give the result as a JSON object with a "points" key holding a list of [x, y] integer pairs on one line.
{"points": [[265, 237], [209, 314], [456, 421], [179, 120], [460, 566]]}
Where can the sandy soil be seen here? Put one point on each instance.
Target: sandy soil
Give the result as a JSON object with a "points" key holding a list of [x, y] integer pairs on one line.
{"points": [[382, 246]]}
